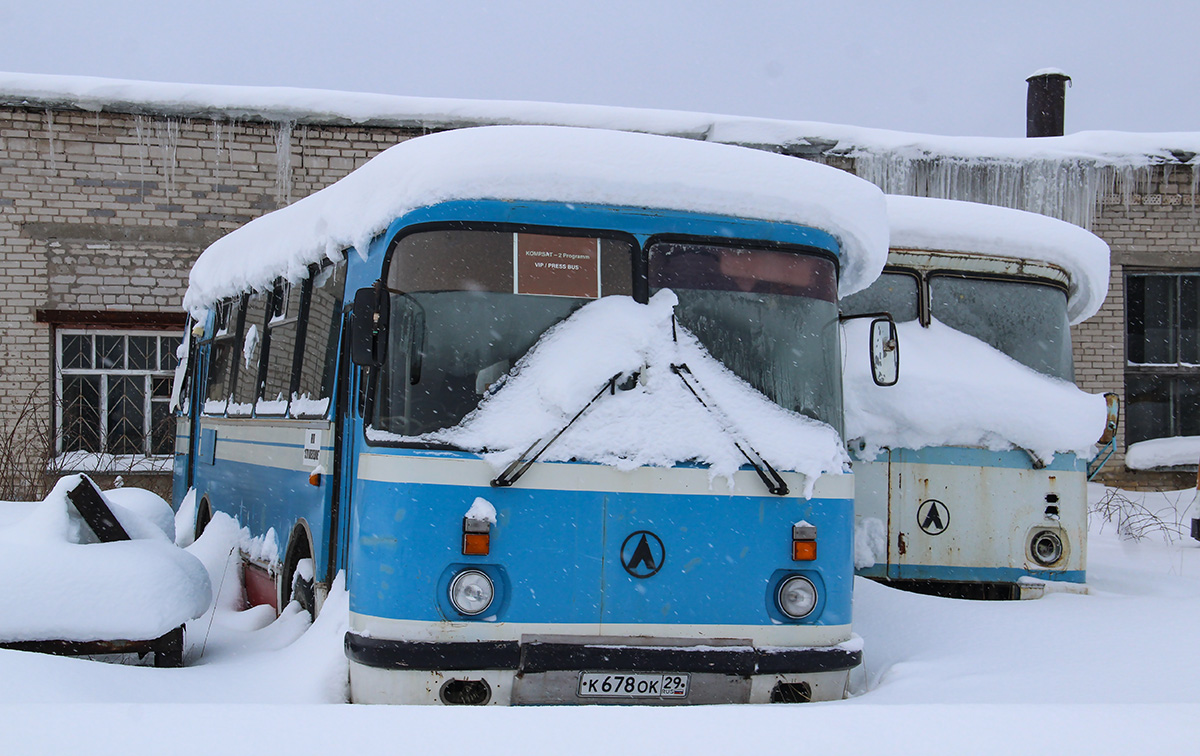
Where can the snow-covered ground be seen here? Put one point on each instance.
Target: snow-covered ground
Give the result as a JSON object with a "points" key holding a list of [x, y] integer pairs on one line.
{"points": [[1116, 671]]}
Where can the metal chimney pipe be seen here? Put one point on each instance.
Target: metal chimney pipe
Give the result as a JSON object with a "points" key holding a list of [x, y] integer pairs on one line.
{"points": [[1046, 103]]}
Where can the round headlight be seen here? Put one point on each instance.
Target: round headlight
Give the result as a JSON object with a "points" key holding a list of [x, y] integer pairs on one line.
{"points": [[471, 592], [1046, 547], [797, 597]]}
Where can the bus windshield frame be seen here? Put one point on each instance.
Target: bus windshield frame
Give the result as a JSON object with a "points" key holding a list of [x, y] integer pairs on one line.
{"points": [[446, 281], [768, 313], [440, 363], [1025, 319]]}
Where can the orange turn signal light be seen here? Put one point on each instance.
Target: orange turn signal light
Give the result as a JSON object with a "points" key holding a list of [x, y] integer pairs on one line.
{"points": [[314, 479], [476, 544], [804, 551]]}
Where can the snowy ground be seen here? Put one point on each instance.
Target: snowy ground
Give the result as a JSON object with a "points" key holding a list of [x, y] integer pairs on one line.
{"points": [[1116, 671]]}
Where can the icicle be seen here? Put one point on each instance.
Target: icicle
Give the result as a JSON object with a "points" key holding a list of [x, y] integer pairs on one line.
{"points": [[1195, 166], [141, 140], [1066, 189], [168, 144], [216, 128], [283, 162], [50, 139]]}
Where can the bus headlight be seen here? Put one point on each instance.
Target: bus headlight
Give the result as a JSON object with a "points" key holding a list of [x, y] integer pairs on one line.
{"points": [[471, 592], [797, 597], [1046, 547]]}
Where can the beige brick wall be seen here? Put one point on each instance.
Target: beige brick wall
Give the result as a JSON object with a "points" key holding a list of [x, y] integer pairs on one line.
{"points": [[108, 211], [1158, 228]]}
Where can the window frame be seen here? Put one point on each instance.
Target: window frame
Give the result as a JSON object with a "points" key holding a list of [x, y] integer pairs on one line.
{"points": [[1171, 372], [234, 330], [369, 387], [106, 459]]}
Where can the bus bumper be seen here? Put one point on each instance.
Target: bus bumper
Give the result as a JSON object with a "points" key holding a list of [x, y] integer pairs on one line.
{"points": [[558, 670]]}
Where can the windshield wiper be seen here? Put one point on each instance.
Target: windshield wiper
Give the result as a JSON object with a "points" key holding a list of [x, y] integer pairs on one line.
{"points": [[772, 479], [522, 463]]}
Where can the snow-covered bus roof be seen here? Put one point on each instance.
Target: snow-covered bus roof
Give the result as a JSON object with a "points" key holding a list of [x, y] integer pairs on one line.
{"points": [[922, 223], [546, 163]]}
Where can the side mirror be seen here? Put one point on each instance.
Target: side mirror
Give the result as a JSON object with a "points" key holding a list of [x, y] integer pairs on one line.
{"points": [[1114, 418], [885, 352], [368, 326]]}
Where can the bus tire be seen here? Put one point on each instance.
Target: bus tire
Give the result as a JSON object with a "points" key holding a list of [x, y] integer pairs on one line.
{"points": [[298, 575], [203, 517]]}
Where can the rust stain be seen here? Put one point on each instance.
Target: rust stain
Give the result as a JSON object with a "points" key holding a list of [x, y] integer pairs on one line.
{"points": [[902, 544]]}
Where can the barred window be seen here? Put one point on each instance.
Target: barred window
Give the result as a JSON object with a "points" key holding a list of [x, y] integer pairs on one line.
{"points": [[114, 393]]}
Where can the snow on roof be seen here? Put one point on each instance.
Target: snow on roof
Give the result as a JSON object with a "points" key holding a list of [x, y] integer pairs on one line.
{"points": [[955, 390], [544, 163], [315, 106], [923, 223], [1163, 452]]}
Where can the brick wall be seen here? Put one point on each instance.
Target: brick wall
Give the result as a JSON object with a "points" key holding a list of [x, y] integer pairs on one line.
{"points": [[108, 211], [1158, 228]]}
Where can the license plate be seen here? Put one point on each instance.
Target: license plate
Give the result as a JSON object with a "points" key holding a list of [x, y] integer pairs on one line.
{"points": [[632, 685]]}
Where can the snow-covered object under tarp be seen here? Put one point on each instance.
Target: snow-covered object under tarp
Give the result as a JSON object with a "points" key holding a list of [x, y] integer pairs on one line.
{"points": [[955, 390], [657, 421], [924, 223], [1163, 452], [60, 583], [552, 164]]}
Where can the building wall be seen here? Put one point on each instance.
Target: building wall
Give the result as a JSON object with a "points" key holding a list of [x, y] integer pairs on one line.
{"points": [[106, 212], [1156, 228]]}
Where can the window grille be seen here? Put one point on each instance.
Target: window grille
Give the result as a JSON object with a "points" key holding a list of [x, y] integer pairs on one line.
{"points": [[114, 392]]}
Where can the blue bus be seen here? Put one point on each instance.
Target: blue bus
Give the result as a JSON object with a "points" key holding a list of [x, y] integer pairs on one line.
{"points": [[981, 292], [324, 388]]}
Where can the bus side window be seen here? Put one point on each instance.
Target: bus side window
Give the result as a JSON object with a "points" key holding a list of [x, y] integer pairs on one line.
{"points": [[322, 324], [220, 359], [251, 346], [282, 334]]}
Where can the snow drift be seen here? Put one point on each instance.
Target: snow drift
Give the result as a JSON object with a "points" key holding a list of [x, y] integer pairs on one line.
{"points": [[60, 583]]}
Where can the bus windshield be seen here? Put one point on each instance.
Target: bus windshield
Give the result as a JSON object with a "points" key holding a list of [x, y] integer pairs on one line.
{"points": [[769, 315], [1025, 320], [467, 304]]}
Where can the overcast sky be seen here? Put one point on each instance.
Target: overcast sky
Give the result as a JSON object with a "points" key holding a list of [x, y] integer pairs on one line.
{"points": [[930, 67]]}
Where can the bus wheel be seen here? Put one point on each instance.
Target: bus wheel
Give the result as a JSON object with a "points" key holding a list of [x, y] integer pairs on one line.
{"points": [[299, 572], [203, 517], [302, 586]]}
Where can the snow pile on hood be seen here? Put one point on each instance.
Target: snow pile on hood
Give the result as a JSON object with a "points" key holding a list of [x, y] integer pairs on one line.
{"points": [[657, 421], [955, 390], [543, 163], [923, 223], [1163, 452], [61, 584]]}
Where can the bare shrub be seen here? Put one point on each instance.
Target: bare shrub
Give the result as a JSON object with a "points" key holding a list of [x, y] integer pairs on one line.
{"points": [[28, 463], [1135, 521]]}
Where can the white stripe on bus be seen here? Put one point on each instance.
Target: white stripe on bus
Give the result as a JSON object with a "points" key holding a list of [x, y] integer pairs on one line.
{"points": [[554, 476]]}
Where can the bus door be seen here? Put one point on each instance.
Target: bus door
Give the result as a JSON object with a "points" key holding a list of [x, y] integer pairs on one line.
{"points": [[347, 429], [187, 427]]}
